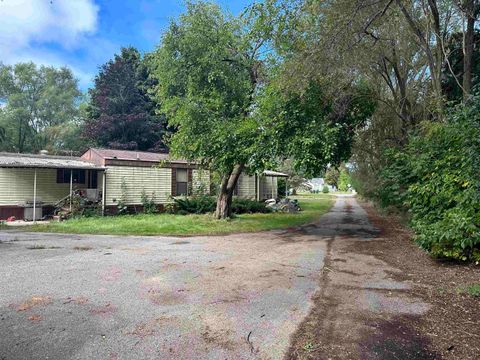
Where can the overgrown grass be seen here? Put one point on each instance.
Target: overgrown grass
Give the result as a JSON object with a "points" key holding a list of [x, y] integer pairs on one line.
{"points": [[184, 225]]}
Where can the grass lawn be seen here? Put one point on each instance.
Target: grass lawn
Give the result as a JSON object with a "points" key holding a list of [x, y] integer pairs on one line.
{"points": [[167, 224]]}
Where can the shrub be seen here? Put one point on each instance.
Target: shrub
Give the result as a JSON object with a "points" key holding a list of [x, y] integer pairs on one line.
{"points": [[205, 204], [325, 189], [122, 202], [92, 211], [247, 206], [437, 179], [194, 205], [149, 206]]}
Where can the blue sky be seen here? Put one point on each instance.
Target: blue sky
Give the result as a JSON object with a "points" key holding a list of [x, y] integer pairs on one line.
{"points": [[84, 34]]}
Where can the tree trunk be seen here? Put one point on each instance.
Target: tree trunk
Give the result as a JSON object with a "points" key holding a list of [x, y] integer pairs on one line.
{"points": [[468, 48], [224, 200]]}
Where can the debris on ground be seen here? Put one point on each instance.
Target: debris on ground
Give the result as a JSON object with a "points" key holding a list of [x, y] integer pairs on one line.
{"points": [[283, 205]]}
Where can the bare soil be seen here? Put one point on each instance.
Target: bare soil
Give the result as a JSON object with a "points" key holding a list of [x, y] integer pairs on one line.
{"points": [[385, 298]]}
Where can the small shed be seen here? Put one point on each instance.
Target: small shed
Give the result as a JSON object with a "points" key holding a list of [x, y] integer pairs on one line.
{"points": [[259, 186]]}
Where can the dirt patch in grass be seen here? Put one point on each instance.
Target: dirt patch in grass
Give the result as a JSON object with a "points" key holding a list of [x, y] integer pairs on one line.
{"points": [[453, 322]]}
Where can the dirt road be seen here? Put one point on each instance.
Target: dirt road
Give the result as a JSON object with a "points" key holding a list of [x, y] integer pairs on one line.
{"points": [[381, 297]]}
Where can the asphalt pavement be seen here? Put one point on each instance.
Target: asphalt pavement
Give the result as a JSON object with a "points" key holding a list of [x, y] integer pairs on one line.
{"points": [[118, 297]]}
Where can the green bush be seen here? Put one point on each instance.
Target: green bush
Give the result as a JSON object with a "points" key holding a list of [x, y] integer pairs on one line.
{"points": [[122, 208], [437, 179], [149, 206], [194, 205], [206, 204], [247, 206], [325, 189]]}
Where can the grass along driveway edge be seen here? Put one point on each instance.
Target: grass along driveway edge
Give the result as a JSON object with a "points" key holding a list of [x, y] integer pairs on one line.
{"points": [[189, 225]]}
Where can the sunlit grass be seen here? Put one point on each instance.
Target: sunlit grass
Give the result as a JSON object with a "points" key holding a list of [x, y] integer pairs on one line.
{"points": [[168, 224]]}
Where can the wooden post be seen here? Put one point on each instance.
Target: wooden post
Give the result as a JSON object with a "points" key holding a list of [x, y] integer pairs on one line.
{"points": [[34, 195], [273, 189], [71, 189], [104, 193]]}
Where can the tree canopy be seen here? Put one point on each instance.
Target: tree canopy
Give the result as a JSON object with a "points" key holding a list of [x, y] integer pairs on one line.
{"points": [[215, 81], [120, 113], [39, 102]]}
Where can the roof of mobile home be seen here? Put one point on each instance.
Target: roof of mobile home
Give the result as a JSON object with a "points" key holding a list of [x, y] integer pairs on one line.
{"points": [[109, 156], [96, 159], [45, 161], [274, 173]]}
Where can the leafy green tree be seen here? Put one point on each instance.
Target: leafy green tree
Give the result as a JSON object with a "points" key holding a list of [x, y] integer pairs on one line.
{"points": [[208, 70], [296, 177], [121, 114], [331, 176], [452, 88], [35, 100], [344, 180], [313, 128], [214, 75]]}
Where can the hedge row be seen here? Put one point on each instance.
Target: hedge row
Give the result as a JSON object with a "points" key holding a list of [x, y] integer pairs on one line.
{"points": [[436, 178]]}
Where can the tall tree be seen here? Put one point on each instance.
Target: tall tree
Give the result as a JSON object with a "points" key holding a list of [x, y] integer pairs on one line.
{"points": [[121, 114], [2, 134], [452, 88], [213, 73], [208, 71], [35, 99], [470, 11]]}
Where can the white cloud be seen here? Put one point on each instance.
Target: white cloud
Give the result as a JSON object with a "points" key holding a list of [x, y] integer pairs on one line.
{"points": [[40, 30], [60, 21]]}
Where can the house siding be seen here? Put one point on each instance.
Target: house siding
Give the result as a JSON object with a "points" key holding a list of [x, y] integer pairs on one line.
{"points": [[151, 179], [268, 187], [246, 186], [201, 181], [16, 186]]}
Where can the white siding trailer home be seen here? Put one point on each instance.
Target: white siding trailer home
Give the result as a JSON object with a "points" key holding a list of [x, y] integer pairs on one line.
{"points": [[153, 173], [30, 185]]}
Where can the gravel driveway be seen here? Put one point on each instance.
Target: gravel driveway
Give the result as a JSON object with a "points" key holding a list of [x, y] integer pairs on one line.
{"points": [[115, 297]]}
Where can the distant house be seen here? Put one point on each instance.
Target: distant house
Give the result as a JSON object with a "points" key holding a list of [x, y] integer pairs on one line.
{"points": [[317, 184], [31, 185]]}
